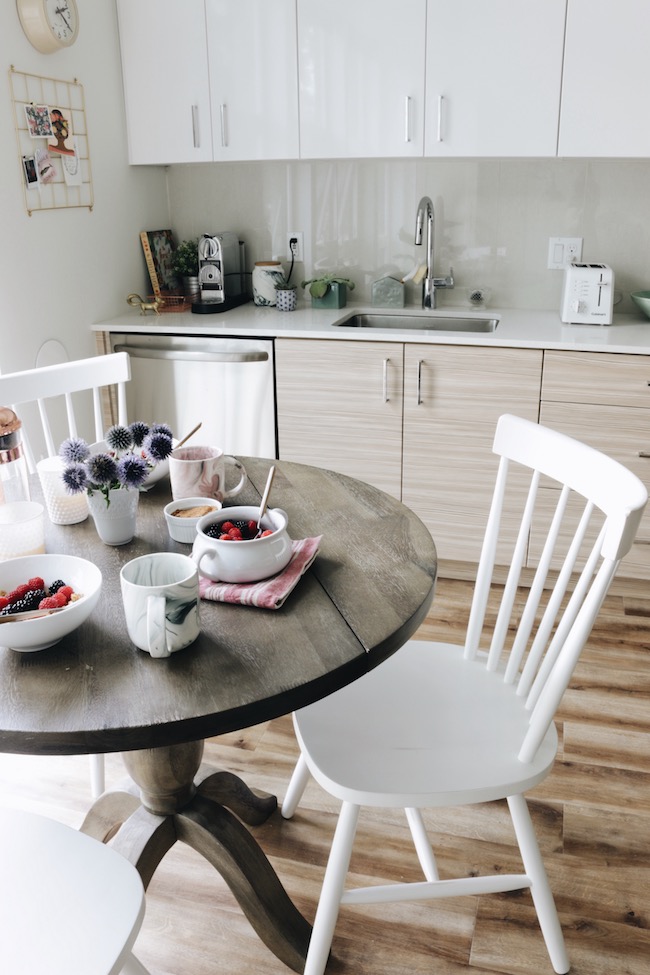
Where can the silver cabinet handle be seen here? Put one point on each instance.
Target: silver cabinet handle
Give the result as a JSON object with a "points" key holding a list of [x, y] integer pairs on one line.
{"points": [[139, 352], [439, 136], [407, 118], [196, 133], [419, 389], [643, 453], [223, 110], [385, 381]]}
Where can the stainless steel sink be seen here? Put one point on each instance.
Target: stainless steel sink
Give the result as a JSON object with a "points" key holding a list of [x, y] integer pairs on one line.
{"points": [[439, 323]]}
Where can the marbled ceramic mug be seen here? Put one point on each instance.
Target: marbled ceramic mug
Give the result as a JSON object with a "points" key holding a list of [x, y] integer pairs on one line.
{"points": [[160, 593], [200, 472]]}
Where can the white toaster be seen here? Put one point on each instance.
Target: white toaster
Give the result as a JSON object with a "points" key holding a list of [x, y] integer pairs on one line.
{"points": [[588, 294]]}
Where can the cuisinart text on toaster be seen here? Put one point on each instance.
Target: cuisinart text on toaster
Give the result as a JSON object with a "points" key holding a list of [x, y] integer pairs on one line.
{"points": [[588, 295]]}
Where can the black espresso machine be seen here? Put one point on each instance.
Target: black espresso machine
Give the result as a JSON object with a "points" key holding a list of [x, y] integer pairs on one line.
{"points": [[221, 273]]}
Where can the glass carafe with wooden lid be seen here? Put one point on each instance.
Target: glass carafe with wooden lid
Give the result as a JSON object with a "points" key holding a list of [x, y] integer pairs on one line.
{"points": [[14, 481]]}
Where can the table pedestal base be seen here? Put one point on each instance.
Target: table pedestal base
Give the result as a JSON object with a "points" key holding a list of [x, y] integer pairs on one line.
{"points": [[182, 800]]}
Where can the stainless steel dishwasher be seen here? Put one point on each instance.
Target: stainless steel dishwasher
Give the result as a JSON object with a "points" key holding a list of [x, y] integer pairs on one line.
{"points": [[225, 383]]}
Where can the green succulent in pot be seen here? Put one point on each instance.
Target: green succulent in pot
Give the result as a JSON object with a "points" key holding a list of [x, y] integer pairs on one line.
{"points": [[319, 287], [185, 259]]}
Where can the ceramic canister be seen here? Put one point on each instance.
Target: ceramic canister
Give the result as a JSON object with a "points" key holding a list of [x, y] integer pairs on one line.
{"points": [[266, 274]]}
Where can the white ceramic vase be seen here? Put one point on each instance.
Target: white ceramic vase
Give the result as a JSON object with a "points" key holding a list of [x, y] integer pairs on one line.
{"points": [[266, 274], [116, 522]]}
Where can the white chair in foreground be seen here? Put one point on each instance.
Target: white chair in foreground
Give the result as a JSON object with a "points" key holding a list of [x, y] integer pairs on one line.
{"points": [[68, 904], [442, 725], [51, 387]]}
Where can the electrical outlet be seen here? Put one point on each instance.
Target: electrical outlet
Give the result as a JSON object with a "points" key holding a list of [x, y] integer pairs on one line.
{"points": [[298, 252], [563, 251]]}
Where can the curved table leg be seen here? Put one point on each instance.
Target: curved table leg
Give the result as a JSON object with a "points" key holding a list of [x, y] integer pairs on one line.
{"points": [[218, 836], [180, 799]]}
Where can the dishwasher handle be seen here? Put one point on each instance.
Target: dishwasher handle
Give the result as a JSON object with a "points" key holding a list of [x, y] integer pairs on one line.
{"points": [[186, 355]]}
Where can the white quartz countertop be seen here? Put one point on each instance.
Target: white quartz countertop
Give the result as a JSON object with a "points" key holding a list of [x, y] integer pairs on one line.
{"points": [[517, 328]]}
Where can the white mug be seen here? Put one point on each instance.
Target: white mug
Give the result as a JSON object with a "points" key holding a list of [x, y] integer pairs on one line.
{"points": [[160, 593], [200, 472]]}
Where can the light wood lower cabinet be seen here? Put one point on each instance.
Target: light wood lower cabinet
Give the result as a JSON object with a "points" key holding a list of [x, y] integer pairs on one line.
{"points": [[415, 420], [603, 399]]}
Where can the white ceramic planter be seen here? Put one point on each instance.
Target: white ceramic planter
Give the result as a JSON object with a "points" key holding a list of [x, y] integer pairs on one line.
{"points": [[116, 522]]}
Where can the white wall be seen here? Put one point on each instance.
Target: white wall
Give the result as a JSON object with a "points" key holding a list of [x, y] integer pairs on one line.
{"points": [[62, 270], [493, 218]]}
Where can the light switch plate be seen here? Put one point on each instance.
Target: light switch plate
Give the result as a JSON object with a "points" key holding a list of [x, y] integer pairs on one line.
{"points": [[563, 251]]}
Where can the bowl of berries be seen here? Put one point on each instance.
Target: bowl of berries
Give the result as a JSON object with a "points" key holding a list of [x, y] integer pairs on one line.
{"points": [[229, 547], [45, 597]]}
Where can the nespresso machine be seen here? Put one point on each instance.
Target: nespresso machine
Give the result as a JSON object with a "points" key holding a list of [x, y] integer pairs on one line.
{"points": [[221, 272]]}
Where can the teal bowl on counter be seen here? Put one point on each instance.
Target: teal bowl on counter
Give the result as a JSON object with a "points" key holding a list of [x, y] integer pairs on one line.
{"points": [[642, 300]]}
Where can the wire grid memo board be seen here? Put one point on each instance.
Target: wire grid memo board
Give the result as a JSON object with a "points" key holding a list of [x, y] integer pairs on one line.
{"points": [[67, 178]]}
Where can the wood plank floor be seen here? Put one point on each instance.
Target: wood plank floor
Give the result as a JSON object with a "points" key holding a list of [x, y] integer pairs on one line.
{"points": [[592, 815]]}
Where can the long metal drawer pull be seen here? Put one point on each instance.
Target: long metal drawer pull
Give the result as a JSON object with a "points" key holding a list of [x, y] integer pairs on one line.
{"points": [[386, 396], [643, 453], [196, 132], [419, 397], [256, 355], [407, 118], [224, 134], [440, 97]]}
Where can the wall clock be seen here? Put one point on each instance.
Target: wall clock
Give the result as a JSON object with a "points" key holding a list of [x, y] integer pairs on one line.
{"points": [[49, 24]]}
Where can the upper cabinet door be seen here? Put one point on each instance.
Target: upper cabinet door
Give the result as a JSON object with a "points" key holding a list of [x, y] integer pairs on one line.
{"points": [[253, 78], [494, 70], [606, 79], [166, 84], [361, 78]]}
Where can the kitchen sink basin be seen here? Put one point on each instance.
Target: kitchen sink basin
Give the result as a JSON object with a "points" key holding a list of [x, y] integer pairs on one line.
{"points": [[441, 323]]}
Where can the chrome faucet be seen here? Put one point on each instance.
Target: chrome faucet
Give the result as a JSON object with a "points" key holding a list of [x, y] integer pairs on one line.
{"points": [[430, 283]]}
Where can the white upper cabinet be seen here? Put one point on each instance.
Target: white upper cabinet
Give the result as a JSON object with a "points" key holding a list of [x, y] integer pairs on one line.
{"points": [[253, 78], [606, 79], [494, 70], [361, 78], [166, 82]]}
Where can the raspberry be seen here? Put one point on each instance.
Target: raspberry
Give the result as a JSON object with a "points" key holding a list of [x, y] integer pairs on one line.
{"points": [[252, 526], [60, 599], [17, 593], [66, 591], [3, 602], [226, 537], [226, 526], [267, 532], [235, 534], [36, 583], [48, 603]]}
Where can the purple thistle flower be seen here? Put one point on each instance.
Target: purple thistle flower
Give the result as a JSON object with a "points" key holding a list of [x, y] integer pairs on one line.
{"points": [[75, 478], [132, 471], [139, 431], [162, 428], [74, 450], [158, 446], [102, 469], [119, 438]]}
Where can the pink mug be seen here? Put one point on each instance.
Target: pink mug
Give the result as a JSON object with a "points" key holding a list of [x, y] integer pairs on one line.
{"points": [[200, 472]]}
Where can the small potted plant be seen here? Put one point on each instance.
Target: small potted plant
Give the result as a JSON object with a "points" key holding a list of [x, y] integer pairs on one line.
{"points": [[286, 297], [185, 265], [329, 290]]}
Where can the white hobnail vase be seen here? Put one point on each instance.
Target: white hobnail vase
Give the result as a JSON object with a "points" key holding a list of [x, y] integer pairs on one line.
{"points": [[115, 522]]}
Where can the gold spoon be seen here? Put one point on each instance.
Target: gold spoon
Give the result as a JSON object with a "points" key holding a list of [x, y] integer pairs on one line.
{"points": [[188, 435]]}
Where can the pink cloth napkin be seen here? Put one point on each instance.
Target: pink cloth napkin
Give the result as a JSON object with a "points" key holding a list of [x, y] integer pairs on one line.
{"points": [[268, 593]]}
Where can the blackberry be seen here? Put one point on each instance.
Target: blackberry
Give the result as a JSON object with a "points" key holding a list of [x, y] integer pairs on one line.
{"points": [[55, 586]]}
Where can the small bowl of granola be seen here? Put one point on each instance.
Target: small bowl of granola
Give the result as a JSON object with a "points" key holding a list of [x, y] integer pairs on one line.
{"points": [[182, 516]]}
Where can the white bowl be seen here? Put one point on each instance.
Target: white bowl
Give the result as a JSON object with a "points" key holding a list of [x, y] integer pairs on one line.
{"points": [[182, 528], [243, 561], [37, 634]]}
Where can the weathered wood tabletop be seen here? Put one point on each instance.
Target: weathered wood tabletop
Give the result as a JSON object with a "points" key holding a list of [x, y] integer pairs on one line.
{"points": [[368, 590], [366, 593]]}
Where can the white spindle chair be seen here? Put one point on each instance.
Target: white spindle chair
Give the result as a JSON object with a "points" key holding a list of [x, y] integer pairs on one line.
{"points": [[50, 387], [68, 904], [442, 725]]}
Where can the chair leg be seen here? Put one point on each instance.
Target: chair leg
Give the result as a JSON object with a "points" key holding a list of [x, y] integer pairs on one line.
{"points": [[332, 890], [540, 888], [97, 778], [422, 844], [295, 789], [134, 967]]}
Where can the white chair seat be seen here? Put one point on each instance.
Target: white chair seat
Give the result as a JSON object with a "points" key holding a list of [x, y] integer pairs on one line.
{"points": [[68, 904], [390, 740]]}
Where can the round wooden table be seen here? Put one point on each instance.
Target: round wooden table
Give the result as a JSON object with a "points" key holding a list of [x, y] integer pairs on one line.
{"points": [[365, 595]]}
